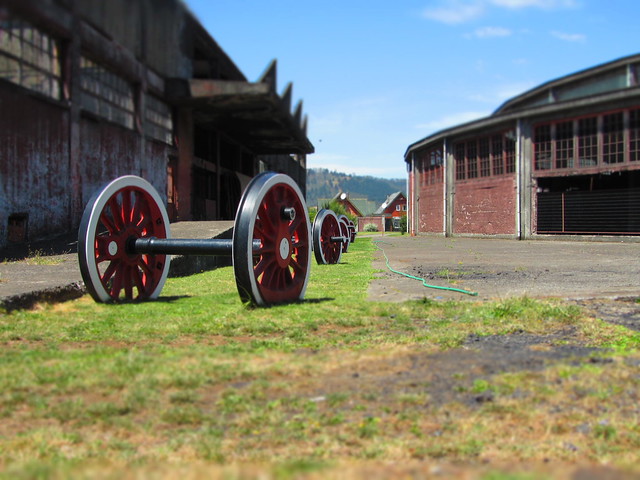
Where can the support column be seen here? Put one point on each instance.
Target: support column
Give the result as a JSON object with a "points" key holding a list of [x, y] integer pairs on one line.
{"points": [[449, 187], [72, 91], [184, 183], [524, 179]]}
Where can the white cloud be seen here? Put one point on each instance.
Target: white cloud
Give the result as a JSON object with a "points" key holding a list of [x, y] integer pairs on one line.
{"points": [[451, 120], [544, 4], [491, 32], [455, 12], [570, 37]]}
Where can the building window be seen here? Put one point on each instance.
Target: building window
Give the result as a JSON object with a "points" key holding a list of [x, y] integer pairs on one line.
{"points": [[460, 161], [634, 135], [30, 58], [588, 142], [472, 159], [542, 145], [485, 157], [510, 152], [106, 94], [158, 120], [497, 154], [435, 158], [398, 208], [613, 138], [564, 145]]}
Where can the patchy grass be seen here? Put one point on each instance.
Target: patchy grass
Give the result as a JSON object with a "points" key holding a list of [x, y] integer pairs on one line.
{"points": [[196, 384]]}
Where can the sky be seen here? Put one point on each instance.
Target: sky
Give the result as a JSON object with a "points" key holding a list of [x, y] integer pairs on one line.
{"points": [[375, 76]]}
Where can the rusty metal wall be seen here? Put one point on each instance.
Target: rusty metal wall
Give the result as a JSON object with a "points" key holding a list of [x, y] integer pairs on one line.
{"points": [[109, 151], [150, 29], [34, 163]]}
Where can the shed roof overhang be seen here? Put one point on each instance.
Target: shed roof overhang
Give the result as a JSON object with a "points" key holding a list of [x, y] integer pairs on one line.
{"points": [[252, 114]]}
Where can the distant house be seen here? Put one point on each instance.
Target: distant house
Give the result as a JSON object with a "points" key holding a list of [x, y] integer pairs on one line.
{"points": [[387, 217], [393, 208], [357, 207]]}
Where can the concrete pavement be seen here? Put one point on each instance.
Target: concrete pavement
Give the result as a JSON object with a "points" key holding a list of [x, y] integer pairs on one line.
{"points": [[494, 268], [48, 270]]}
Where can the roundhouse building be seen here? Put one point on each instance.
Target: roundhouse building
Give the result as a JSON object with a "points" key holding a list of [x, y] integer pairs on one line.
{"points": [[562, 158]]}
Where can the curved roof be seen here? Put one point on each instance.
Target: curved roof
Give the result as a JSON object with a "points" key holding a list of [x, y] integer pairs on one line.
{"points": [[610, 80], [615, 75]]}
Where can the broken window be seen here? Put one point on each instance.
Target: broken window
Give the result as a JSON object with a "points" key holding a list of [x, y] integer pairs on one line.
{"points": [[564, 144], [613, 138], [634, 135], [588, 142], [497, 154], [106, 94], [542, 145], [30, 58], [158, 120], [460, 161], [510, 152], [472, 159], [485, 159]]}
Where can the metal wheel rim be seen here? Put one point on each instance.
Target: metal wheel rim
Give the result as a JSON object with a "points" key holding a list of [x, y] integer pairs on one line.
{"points": [[127, 207], [279, 271], [344, 229], [325, 226]]}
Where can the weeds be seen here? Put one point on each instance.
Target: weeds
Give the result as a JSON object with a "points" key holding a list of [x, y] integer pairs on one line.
{"points": [[196, 380]]}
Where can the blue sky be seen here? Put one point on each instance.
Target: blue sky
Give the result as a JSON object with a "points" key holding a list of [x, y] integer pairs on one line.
{"points": [[375, 76]]}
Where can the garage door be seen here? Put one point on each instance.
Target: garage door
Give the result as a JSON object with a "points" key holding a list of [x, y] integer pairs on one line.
{"points": [[592, 212]]}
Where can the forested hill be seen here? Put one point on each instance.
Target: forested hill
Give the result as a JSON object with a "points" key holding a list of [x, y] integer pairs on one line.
{"points": [[322, 183]]}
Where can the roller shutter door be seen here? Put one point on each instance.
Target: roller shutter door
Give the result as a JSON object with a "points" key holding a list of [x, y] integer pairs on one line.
{"points": [[592, 212]]}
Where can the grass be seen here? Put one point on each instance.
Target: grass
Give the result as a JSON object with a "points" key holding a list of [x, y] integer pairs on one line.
{"points": [[196, 384]]}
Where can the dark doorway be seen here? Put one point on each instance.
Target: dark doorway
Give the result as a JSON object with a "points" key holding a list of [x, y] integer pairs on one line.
{"points": [[589, 204]]}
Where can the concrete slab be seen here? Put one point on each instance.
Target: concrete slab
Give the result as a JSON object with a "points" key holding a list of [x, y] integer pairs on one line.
{"points": [[500, 268], [48, 270]]}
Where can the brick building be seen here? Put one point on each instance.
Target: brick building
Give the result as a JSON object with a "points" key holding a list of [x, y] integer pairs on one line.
{"points": [[94, 89], [562, 158]]}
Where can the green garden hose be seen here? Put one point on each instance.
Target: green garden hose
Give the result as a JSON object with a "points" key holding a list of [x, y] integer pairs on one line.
{"points": [[424, 282]]}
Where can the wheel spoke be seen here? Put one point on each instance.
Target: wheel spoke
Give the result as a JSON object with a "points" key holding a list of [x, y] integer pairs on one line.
{"points": [[263, 264], [116, 286], [116, 213], [101, 248], [299, 243], [126, 208], [127, 281], [107, 222], [138, 282], [295, 224], [108, 273], [136, 214]]}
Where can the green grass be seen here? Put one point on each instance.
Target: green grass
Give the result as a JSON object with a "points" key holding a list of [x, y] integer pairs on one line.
{"points": [[198, 382]]}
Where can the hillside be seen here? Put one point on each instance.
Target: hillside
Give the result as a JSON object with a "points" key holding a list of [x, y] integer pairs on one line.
{"points": [[322, 183]]}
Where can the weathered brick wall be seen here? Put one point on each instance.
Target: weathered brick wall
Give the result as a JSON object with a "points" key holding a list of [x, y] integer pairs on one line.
{"points": [[377, 221], [431, 206], [485, 206]]}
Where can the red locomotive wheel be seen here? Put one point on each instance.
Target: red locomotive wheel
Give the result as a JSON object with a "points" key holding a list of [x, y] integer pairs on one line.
{"points": [[344, 229], [126, 209], [352, 232], [273, 211], [326, 226]]}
